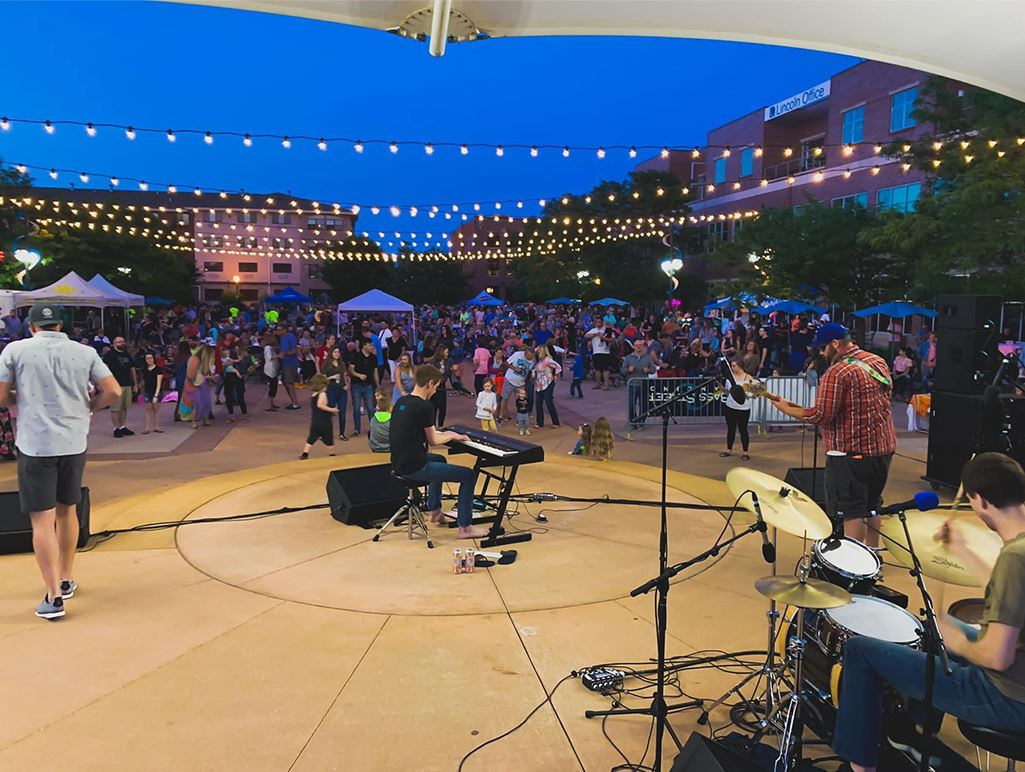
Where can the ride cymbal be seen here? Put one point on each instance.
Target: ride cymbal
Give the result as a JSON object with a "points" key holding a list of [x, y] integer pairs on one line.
{"points": [[783, 506], [811, 593], [938, 562]]}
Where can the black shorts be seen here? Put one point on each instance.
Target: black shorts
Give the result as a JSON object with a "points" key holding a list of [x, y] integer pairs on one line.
{"points": [[854, 484], [45, 481], [323, 433], [602, 361]]}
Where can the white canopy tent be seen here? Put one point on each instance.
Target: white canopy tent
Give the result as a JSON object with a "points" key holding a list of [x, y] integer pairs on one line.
{"points": [[376, 300], [72, 290], [976, 42], [110, 290]]}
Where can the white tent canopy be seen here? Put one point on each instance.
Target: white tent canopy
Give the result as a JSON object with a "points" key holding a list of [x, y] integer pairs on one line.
{"points": [[977, 42], [376, 300], [110, 290], [72, 290]]}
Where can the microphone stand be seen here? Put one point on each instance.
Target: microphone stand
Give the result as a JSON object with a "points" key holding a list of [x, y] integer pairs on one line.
{"points": [[658, 709], [932, 643]]}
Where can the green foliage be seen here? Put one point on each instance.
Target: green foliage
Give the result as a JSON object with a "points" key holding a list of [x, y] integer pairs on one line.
{"points": [[417, 279], [811, 252], [628, 267], [12, 226], [968, 235]]}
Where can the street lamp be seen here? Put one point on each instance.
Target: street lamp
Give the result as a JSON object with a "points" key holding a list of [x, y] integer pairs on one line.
{"points": [[669, 267], [237, 280], [583, 275]]}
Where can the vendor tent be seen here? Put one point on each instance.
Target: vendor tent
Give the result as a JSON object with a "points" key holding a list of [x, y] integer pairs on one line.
{"points": [[898, 309], [610, 302], [382, 302], [110, 290], [484, 299], [562, 302], [288, 295], [156, 300], [790, 307], [72, 290]]}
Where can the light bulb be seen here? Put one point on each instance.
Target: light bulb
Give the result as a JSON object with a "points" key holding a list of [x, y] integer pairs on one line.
{"points": [[114, 181], [143, 185], [393, 147], [429, 149], [286, 143], [22, 169], [358, 147], [172, 189], [5, 124], [541, 203], [90, 130], [208, 138], [53, 174], [170, 136], [84, 177], [601, 152], [48, 127], [198, 192], [665, 152], [695, 153], [788, 151], [565, 152], [877, 149], [499, 151], [632, 152], [322, 144], [659, 192], [758, 151], [726, 152]]}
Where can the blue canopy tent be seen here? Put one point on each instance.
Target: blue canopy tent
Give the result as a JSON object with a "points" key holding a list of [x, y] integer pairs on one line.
{"points": [[610, 302], [789, 307], [288, 295], [484, 299], [728, 303], [562, 302], [155, 300], [898, 309]]}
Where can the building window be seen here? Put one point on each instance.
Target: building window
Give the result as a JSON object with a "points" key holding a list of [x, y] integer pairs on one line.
{"points": [[812, 153], [854, 126], [212, 293], [245, 218], [281, 219], [212, 216], [313, 270], [491, 268], [856, 201], [747, 162], [282, 268], [184, 218], [315, 222], [249, 294], [902, 198], [281, 243], [247, 267], [718, 231], [902, 104], [246, 242], [720, 170], [213, 267], [213, 241]]}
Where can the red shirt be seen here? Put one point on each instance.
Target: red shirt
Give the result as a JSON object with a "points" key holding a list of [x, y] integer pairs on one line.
{"points": [[853, 408]]}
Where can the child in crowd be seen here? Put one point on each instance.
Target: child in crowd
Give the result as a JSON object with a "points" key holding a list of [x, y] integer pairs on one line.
{"points": [[602, 442], [582, 448], [321, 424], [522, 412], [380, 422], [487, 404], [578, 376]]}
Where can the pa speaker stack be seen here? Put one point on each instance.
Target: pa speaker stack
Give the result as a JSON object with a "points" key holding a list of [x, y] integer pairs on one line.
{"points": [[364, 495], [967, 361], [16, 526]]}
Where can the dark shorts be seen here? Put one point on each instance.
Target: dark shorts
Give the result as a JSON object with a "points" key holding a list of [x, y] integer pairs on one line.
{"points": [[149, 398], [602, 361], [323, 433], [854, 484], [289, 375], [45, 481]]}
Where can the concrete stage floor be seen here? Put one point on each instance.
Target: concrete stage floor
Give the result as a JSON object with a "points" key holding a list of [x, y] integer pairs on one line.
{"points": [[293, 642]]}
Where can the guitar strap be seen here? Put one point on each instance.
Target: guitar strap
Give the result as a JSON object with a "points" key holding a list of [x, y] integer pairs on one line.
{"points": [[870, 370]]}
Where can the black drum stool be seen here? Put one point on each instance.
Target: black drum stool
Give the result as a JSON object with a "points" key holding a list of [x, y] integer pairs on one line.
{"points": [[412, 510], [1010, 745]]}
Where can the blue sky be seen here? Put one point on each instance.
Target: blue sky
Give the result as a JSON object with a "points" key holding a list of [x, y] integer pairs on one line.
{"points": [[183, 66]]}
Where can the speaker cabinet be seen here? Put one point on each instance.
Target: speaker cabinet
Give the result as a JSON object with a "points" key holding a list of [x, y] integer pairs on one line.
{"points": [[811, 482], [365, 494], [966, 360], [968, 312], [959, 427], [16, 526], [701, 754]]}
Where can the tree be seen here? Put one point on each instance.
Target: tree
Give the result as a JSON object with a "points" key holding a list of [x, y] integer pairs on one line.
{"points": [[13, 226], [968, 233], [814, 251], [627, 267]]}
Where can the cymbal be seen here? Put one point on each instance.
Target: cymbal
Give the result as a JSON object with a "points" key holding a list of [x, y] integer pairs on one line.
{"points": [[811, 593], [938, 562], [783, 506]]}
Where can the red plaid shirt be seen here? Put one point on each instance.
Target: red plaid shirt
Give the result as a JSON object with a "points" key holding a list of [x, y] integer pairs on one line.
{"points": [[853, 408]]}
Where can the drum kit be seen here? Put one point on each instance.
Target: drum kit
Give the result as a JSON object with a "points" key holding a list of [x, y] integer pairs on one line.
{"points": [[835, 595]]}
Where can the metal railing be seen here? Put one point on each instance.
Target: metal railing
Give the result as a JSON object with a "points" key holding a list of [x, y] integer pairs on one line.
{"points": [[793, 388]]}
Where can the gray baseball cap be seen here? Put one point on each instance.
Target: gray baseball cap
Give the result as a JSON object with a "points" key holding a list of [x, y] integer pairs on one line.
{"points": [[45, 315]]}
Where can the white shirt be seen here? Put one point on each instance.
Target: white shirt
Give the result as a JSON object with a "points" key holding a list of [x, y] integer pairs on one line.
{"points": [[270, 363], [598, 343], [730, 402], [518, 360], [52, 375], [486, 399]]}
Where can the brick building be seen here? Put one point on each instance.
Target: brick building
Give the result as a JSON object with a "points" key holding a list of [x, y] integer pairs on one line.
{"points": [[268, 241], [478, 237]]}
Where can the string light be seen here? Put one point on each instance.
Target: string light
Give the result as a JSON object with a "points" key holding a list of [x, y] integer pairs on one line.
{"points": [[499, 151], [247, 141], [53, 174], [632, 152], [695, 153], [665, 152], [143, 185], [170, 136], [286, 143], [208, 138], [83, 176], [565, 152], [130, 133], [322, 144], [600, 152], [394, 147], [429, 149], [5, 124], [114, 182], [464, 149], [48, 127], [90, 130], [358, 147]]}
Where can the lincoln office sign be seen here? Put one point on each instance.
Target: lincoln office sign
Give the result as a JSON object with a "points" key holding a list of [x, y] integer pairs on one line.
{"points": [[797, 101]]}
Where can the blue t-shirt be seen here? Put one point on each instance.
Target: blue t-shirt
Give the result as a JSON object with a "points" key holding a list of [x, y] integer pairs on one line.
{"points": [[379, 348], [289, 342], [578, 367], [541, 337]]}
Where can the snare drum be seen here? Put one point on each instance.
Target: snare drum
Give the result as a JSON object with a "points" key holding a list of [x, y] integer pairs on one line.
{"points": [[849, 564]]}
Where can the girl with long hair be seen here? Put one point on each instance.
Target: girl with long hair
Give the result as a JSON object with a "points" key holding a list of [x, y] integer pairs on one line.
{"points": [[602, 442], [152, 383], [404, 375], [546, 373]]}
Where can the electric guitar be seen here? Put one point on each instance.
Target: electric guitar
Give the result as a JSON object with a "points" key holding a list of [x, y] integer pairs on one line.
{"points": [[757, 389]]}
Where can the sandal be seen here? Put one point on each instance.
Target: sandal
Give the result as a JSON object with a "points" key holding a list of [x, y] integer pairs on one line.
{"points": [[745, 457], [158, 431], [725, 454], [146, 431]]}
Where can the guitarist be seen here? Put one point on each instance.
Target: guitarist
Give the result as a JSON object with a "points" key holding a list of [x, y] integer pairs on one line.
{"points": [[852, 407]]}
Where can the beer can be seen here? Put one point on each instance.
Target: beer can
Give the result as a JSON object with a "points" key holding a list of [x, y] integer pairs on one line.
{"points": [[470, 560], [457, 561]]}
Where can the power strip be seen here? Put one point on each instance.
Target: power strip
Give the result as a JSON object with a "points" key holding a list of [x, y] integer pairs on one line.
{"points": [[602, 679]]}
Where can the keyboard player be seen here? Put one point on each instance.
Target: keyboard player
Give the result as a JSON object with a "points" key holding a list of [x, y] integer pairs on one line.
{"points": [[412, 433]]}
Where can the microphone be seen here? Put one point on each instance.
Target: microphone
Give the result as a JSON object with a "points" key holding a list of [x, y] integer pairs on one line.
{"points": [[923, 501], [736, 390], [768, 548]]}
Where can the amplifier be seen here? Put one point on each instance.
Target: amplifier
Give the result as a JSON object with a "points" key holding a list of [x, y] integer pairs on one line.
{"points": [[363, 495], [16, 526]]}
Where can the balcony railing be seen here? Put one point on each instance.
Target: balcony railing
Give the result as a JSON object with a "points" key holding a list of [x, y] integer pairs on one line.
{"points": [[794, 166]]}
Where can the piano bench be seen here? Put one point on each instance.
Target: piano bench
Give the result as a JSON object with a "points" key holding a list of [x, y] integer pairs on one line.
{"points": [[412, 510]]}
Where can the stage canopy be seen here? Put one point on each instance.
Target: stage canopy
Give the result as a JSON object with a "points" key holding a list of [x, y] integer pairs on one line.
{"points": [[976, 42], [376, 300], [72, 290], [110, 290]]}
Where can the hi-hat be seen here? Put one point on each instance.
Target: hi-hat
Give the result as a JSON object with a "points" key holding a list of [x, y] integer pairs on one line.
{"points": [[938, 562], [810, 593], [783, 506]]}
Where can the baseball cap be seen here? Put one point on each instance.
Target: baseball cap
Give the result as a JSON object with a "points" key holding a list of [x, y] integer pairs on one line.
{"points": [[830, 332], [44, 315]]}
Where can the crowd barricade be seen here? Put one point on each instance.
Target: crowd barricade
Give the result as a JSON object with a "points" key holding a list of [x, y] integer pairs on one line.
{"points": [[702, 407], [792, 388]]}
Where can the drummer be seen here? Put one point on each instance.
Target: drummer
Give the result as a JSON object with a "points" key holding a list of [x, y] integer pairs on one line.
{"points": [[852, 406], [987, 686]]}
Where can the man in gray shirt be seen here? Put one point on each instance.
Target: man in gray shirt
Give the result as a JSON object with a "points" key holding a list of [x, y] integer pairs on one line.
{"points": [[47, 376], [636, 365]]}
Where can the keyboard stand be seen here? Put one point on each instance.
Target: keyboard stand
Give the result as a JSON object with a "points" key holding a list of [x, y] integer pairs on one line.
{"points": [[506, 479]]}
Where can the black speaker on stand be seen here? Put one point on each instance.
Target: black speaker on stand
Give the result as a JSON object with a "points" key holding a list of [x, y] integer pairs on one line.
{"points": [[701, 754]]}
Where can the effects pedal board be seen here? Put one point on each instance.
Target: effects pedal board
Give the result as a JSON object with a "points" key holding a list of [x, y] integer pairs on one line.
{"points": [[602, 679]]}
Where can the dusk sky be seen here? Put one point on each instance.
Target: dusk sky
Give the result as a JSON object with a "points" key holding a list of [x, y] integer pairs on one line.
{"points": [[180, 66]]}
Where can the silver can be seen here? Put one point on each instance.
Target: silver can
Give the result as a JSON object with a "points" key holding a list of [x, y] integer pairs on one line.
{"points": [[457, 561], [470, 561]]}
